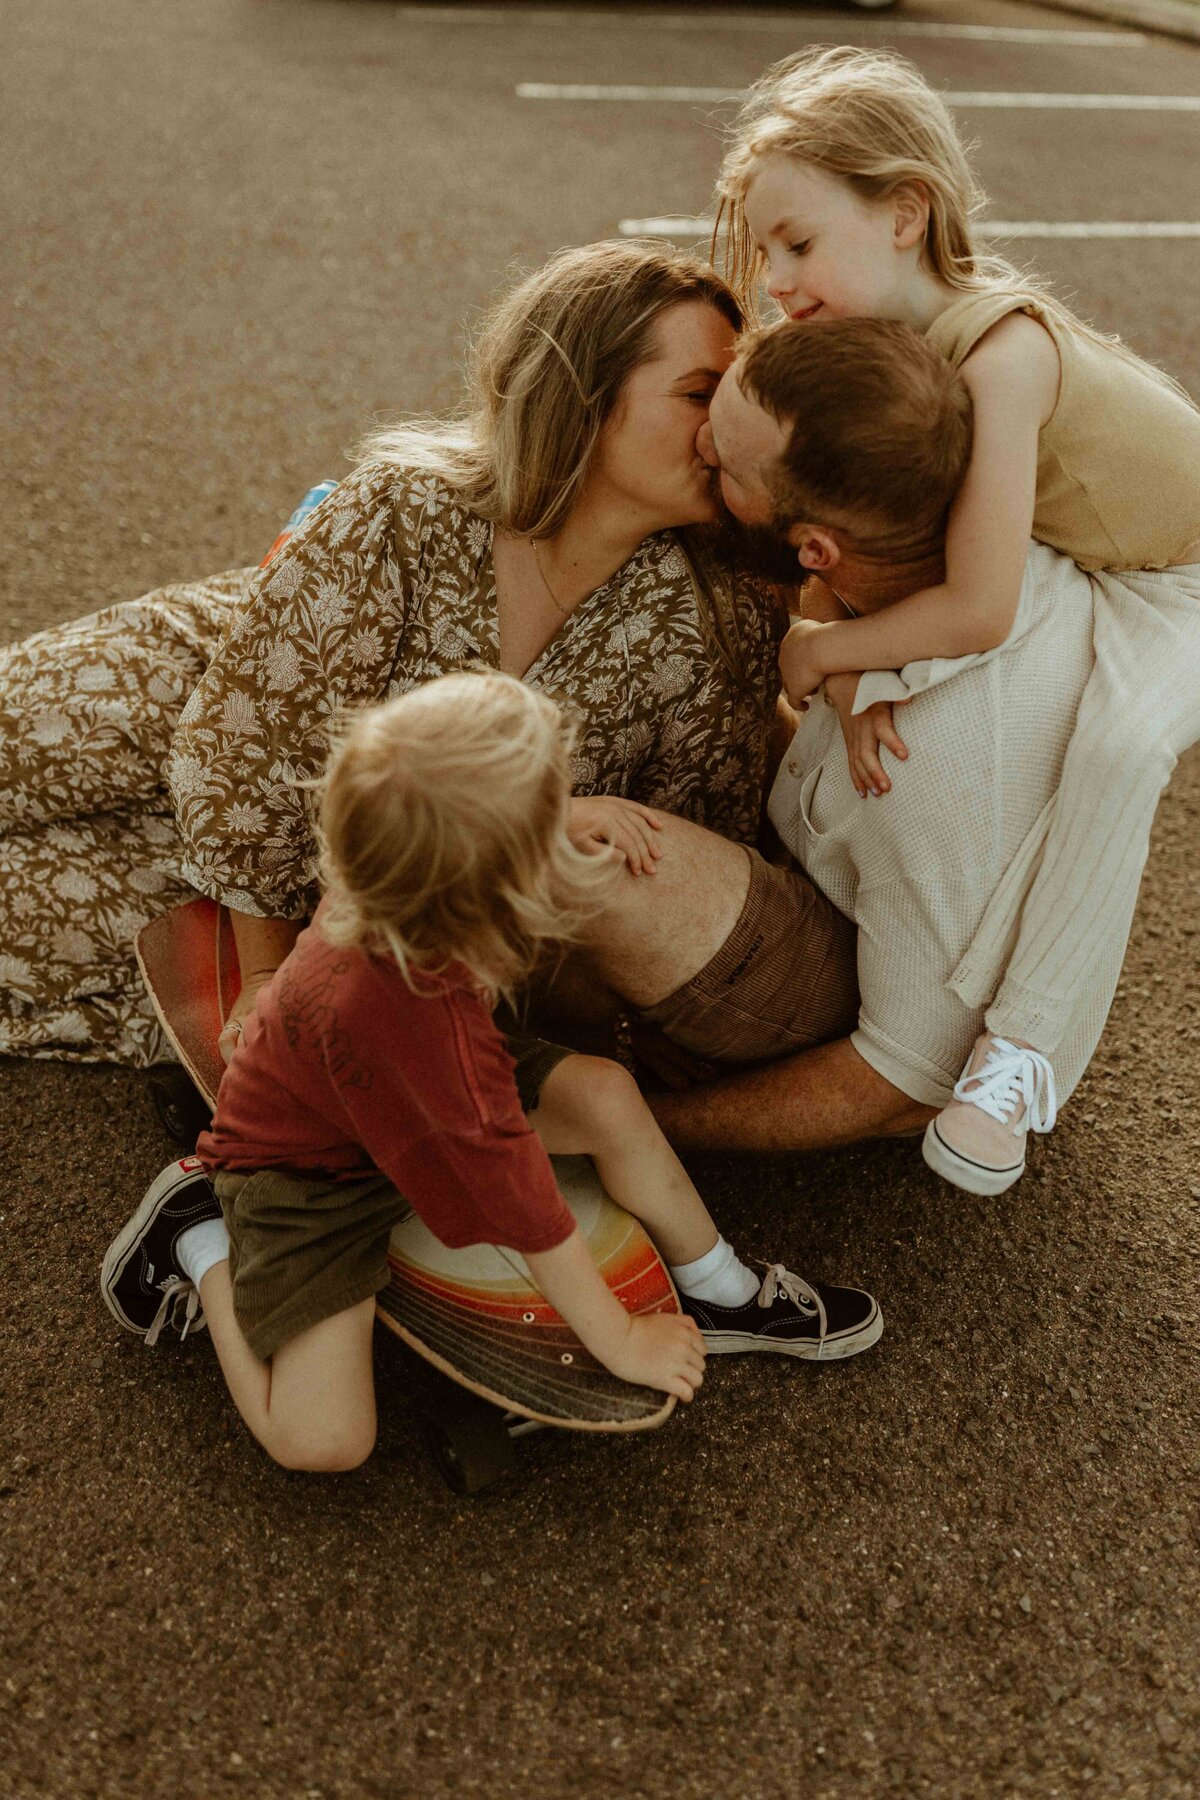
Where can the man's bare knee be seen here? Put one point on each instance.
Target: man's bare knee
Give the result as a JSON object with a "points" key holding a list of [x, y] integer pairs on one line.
{"points": [[657, 931]]}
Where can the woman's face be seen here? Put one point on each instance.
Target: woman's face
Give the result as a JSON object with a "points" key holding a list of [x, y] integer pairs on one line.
{"points": [[647, 457]]}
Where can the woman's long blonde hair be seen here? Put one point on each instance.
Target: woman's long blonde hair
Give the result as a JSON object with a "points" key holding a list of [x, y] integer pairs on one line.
{"points": [[545, 372], [442, 831]]}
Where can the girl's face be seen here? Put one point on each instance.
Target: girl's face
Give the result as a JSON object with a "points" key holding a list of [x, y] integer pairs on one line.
{"points": [[647, 455], [827, 253]]}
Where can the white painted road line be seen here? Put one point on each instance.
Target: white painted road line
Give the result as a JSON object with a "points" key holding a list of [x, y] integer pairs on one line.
{"points": [[578, 90], [766, 22], [684, 225], [1099, 228]]}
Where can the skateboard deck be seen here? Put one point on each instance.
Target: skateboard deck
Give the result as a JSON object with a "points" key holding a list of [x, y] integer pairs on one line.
{"points": [[189, 963], [475, 1314]]}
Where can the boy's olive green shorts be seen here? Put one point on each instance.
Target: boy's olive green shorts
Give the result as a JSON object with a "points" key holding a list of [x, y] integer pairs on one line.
{"points": [[302, 1248]]}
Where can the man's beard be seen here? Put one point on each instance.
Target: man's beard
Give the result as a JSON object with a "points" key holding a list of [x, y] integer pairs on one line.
{"points": [[757, 549]]}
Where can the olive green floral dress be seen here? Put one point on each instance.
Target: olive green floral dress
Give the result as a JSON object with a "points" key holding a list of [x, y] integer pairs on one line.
{"points": [[154, 750]]}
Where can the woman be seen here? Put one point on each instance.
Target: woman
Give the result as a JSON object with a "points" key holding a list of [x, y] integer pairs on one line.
{"points": [[555, 531]]}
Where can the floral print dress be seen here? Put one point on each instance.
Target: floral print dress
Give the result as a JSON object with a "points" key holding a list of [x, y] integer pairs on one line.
{"points": [[155, 750]]}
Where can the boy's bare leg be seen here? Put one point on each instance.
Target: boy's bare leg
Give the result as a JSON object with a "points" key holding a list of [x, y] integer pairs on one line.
{"points": [[312, 1406], [591, 1107]]}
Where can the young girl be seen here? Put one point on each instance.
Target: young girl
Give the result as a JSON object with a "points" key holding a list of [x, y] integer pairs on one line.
{"points": [[848, 190], [371, 1068]]}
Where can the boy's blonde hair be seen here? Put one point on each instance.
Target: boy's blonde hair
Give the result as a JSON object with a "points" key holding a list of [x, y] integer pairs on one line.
{"points": [[871, 119], [442, 830]]}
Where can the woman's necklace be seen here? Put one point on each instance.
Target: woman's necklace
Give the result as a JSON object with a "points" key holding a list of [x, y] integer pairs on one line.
{"points": [[564, 612]]}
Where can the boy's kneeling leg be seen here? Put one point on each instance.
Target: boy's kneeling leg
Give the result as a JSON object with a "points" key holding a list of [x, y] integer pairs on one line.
{"points": [[312, 1405]]}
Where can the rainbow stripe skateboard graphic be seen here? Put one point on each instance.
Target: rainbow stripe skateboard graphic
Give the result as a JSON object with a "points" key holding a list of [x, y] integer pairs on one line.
{"points": [[474, 1314]]}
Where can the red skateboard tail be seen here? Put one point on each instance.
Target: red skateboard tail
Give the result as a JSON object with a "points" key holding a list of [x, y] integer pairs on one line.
{"points": [[189, 962]]}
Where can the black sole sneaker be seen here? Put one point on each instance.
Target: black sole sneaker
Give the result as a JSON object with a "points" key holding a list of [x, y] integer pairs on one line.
{"points": [[790, 1317], [140, 1279]]}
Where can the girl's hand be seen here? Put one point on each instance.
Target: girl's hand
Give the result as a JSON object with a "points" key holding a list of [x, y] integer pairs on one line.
{"points": [[799, 664], [239, 1012], [864, 733], [661, 1350], [607, 822]]}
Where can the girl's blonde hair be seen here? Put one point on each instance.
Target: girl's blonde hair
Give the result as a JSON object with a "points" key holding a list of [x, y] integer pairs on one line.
{"points": [[442, 830], [545, 373], [871, 119]]}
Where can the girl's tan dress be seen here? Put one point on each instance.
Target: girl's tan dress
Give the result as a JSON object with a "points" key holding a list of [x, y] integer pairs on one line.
{"points": [[153, 750]]}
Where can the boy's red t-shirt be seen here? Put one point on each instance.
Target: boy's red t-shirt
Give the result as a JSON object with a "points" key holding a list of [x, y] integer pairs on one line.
{"points": [[343, 1070]]}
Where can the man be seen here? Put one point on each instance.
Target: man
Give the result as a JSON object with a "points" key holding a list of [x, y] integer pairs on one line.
{"points": [[849, 439]]}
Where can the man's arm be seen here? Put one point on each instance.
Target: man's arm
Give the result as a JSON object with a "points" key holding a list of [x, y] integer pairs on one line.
{"points": [[815, 1100]]}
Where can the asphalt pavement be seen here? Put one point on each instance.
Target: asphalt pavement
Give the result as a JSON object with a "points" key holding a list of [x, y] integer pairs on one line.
{"points": [[964, 1565]]}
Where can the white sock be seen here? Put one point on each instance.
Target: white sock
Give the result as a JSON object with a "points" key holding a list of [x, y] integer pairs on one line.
{"points": [[200, 1247], [719, 1275]]}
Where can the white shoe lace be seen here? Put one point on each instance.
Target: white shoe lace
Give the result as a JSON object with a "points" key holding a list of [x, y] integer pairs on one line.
{"points": [[1011, 1074], [780, 1282], [178, 1296]]}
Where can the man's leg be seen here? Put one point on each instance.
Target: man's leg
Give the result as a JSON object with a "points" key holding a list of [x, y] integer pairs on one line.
{"points": [[816, 1100], [742, 963], [660, 930]]}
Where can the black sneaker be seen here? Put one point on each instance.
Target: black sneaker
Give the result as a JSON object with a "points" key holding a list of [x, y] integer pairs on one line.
{"points": [[789, 1317], [142, 1284]]}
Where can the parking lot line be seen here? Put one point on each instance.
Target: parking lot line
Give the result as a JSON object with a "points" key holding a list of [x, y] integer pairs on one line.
{"points": [[766, 22], [684, 225], [579, 90]]}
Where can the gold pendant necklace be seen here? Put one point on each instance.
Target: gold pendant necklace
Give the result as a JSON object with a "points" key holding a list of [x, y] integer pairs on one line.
{"points": [[564, 612]]}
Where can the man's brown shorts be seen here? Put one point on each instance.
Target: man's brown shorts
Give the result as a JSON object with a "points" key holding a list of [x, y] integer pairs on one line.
{"points": [[302, 1248], [785, 978]]}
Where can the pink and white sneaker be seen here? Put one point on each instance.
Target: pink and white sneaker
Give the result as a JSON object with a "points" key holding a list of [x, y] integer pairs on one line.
{"points": [[978, 1141]]}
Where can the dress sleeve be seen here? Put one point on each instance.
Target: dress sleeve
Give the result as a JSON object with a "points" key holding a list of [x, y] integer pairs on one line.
{"points": [[701, 727], [318, 632]]}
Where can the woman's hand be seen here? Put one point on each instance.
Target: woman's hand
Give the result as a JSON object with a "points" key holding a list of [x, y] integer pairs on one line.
{"points": [[606, 822], [864, 732], [799, 662], [239, 1012], [262, 945]]}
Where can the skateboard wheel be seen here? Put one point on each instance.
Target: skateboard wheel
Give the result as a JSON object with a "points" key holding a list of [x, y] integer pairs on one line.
{"points": [[180, 1105], [469, 1443]]}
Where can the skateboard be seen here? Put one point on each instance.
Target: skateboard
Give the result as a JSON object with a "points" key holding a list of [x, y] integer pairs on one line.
{"points": [[511, 1364]]}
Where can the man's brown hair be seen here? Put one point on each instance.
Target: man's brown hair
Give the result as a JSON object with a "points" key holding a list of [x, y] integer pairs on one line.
{"points": [[879, 429]]}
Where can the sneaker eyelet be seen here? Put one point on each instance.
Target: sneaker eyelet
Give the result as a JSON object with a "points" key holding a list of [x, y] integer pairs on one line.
{"points": [[566, 1357], [528, 1318]]}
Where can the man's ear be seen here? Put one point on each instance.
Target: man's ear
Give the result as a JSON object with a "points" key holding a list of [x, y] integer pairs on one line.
{"points": [[910, 214], [816, 548]]}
